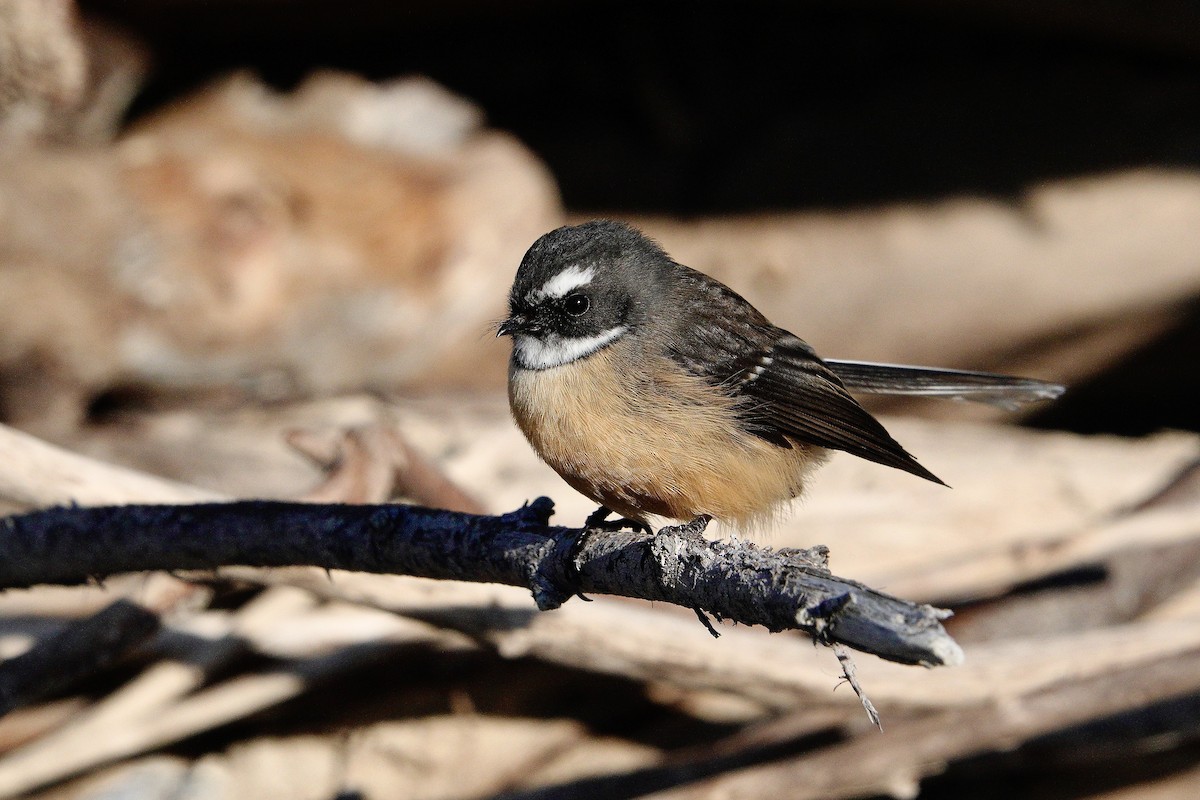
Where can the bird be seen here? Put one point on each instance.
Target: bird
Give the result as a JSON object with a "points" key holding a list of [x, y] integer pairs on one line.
{"points": [[659, 392]]}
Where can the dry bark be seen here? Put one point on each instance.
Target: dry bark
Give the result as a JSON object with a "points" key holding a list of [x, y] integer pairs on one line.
{"points": [[781, 590]]}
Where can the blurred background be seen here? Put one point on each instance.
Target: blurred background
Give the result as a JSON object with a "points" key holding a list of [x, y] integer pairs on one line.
{"points": [[256, 247]]}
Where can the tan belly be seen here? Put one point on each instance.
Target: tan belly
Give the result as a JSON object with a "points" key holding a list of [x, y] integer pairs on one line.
{"points": [[667, 445]]}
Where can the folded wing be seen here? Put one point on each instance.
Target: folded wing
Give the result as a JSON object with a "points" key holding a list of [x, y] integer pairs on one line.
{"points": [[793, 393]]}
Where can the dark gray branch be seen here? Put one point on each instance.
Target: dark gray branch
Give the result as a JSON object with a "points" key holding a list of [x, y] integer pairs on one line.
{"points": [[84, 648], [779, 589]]}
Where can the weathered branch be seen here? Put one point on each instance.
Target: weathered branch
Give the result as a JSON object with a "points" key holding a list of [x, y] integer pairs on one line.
{"points": [[85, 647], [779, 589]]}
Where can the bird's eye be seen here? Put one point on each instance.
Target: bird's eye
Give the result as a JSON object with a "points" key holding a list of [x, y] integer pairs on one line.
{"points": [[577, 304]]}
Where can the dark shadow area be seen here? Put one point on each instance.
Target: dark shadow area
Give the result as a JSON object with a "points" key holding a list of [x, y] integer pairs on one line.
{"points": [[706, 108], [1123, 750], [1156, 387], [1083, 575], [400, 682], [640, 782]]}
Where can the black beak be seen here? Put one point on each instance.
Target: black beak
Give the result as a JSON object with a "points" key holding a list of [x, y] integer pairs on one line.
{"points": [[514, 324]]}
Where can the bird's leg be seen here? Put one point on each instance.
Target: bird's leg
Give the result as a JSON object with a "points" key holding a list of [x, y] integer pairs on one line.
{"points": [[599, 519], [689, 530]]}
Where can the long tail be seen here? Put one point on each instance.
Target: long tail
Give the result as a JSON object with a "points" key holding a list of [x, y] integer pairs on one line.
{"points": [[1004, 391]]}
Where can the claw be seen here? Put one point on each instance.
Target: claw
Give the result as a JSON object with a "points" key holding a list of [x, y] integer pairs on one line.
{"points": [[599, 519]]}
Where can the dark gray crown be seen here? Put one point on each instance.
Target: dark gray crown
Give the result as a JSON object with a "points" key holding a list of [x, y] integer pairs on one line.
{"points": [[627, 271], [616, 251]]}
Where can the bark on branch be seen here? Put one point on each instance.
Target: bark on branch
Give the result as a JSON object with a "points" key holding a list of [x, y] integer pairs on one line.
{"points": [[779, 589]]}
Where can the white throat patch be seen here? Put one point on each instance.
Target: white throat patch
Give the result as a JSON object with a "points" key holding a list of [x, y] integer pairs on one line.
{"points": [[558, 286], [554, 350]]}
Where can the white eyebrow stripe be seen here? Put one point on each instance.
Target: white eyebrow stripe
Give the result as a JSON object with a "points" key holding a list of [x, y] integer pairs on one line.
{"points": [[570, 278], [554, 350]]}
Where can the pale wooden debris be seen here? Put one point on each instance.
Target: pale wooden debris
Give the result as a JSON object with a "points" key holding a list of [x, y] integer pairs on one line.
{"points": [[1067, 500], [163, 705], [868, 764], [38, 474]]}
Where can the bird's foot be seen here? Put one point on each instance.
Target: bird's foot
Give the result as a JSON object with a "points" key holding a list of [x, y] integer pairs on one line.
{"points": [[599, 519]]}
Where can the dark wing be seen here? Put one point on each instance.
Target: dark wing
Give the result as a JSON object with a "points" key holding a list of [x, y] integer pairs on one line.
{"points": [[985, 387], [789, 392], [796, 394]]}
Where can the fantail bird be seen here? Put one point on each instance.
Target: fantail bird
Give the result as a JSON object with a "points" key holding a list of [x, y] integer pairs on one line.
{"points": [[658, 391]]}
